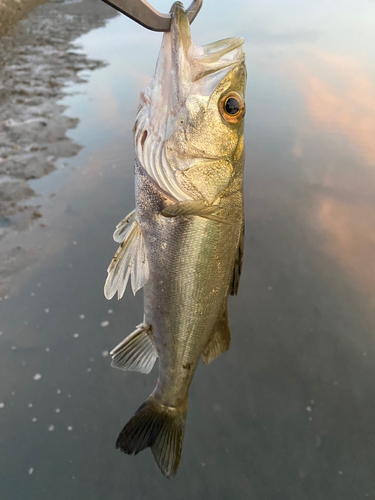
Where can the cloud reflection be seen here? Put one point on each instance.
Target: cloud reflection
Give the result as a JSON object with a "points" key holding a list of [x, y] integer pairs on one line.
{"points": [[351, 240], [340, 98]]}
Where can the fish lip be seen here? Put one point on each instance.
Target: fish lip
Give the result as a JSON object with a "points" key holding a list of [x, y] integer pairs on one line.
{"points": [[209, 53], [180, 26], [222, 47], [191, 63]]}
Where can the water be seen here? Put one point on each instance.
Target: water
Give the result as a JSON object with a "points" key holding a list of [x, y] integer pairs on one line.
{"points": [[288, 412]]}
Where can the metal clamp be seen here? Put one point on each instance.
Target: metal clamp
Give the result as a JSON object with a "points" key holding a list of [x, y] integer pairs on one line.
{"points": [[143, 13]]}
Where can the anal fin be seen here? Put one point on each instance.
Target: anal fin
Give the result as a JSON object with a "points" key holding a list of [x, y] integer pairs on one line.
{"points": [[136, 352], [193, 207], [220, 339]]}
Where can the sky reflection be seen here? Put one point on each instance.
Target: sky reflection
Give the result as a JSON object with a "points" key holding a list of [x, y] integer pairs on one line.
{"points": [[288, 411]]}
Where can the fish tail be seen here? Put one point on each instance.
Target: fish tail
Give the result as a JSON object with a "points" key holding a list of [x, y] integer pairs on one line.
{"points": [[159, 427]]}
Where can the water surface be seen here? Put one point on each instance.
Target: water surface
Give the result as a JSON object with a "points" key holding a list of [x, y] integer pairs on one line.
{"points": [[288, 412]]}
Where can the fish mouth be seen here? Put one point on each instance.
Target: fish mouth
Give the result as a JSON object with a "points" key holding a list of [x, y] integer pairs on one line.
{"points": [[191, 63], [184, 67]]}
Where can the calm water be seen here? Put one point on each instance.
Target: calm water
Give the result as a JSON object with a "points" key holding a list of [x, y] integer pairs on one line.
{"points": [[289, 412]]}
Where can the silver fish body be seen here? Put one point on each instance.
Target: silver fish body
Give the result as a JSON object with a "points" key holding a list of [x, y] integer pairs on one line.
{"points": [[184, 242], [191, 262]]}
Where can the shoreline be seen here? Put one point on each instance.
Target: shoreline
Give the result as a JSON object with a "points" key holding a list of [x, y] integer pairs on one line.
{"points": [[35, 120], [12, 11]]}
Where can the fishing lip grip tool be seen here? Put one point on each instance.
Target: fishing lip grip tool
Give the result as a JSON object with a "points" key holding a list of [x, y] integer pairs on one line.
{"points": [[143, 13]]}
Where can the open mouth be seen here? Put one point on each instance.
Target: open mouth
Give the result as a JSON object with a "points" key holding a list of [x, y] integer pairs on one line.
{"points": [[192, 62]]}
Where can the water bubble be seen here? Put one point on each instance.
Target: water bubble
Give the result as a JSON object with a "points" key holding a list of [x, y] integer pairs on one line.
{"points": [[37, 376]]}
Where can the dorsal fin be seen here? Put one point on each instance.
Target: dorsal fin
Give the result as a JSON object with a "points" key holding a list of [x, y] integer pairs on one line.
{"points": [[237, 268]]}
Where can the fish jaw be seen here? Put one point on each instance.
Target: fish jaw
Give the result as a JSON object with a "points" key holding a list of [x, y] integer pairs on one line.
{"points": [[188, 83]]}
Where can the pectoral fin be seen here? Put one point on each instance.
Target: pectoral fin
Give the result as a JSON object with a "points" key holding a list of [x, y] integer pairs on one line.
{"points": [[235, 281], [193, 207], [220, 340]]}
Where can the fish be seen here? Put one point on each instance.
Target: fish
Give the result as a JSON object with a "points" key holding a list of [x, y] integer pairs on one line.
{"points": [[183, 243]]}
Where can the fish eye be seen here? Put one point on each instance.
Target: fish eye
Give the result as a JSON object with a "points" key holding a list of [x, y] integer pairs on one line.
{"points": [[232, 107]]}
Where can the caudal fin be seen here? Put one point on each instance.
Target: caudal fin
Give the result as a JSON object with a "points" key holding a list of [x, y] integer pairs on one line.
{"points": [[159, 427]]}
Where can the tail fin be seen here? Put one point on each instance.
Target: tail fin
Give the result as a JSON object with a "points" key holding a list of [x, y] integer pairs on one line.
{"points": [[157, 426]]}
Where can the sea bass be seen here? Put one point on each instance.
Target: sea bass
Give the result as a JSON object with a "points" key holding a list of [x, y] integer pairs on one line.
{"points": [[183, 243]]}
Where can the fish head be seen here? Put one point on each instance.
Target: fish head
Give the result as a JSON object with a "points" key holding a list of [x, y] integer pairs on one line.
{"points": [[191, 114]]}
